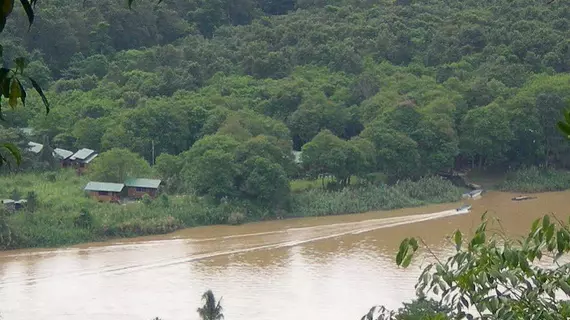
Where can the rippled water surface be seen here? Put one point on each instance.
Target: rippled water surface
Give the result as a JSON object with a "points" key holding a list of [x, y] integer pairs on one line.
{"points": [[327, 268]]}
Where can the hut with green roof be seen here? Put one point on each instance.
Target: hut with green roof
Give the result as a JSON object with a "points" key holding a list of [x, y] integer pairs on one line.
{"points": [[137, 187], [105, 191]]}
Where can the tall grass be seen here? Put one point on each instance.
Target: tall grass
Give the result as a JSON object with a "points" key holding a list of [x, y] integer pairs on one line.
{"points": [[65, 215], [61, 201], [366, 198], [534, 179]]}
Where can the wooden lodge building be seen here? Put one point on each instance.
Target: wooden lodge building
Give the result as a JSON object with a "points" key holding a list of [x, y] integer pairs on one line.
{"points": [[81, 159], [115, 192], [137, 188], [68, 159], [105, 191], [63, 156]]}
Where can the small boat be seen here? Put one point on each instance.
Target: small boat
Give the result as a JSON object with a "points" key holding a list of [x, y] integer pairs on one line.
{"points": [[464, 209], [473, 194], [521, 198]]}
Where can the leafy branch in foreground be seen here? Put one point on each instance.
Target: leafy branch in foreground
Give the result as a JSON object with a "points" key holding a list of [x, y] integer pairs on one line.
{"points": [[11, 86], [12, 89], [492, 277], [12, 151]]}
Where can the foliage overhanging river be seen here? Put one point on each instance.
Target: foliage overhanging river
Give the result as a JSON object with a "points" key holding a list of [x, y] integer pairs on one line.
{"points": [[327, 268]]}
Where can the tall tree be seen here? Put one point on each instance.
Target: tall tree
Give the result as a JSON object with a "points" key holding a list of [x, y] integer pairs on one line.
{"points": [[116, 165], [550, 108], [486, 134], [397, 155]]}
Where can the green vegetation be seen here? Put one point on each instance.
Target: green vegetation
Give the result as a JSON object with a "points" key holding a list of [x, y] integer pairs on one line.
{"points": [[62, 214], [495, 277], [536, 180], [318, 202], [116, 165], [213, 97], [387, 71], [418, 309]]}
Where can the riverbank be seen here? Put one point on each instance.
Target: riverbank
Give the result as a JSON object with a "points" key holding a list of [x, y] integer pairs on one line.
{"points": [[533, 180], [63, 215]]}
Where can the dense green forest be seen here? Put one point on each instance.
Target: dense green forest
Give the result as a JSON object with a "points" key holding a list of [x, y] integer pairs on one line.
{"points": [[468, 83], [224, 90]]}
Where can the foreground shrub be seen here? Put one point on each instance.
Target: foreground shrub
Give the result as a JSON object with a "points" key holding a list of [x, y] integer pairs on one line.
{"points": [[494, 277], [419, 309]]}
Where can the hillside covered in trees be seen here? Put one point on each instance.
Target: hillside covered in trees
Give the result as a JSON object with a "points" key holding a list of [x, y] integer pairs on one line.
{"points": [[226, 89]]}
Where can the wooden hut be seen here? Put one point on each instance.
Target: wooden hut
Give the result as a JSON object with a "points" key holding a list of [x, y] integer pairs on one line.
{"points": [[105, 191], [137, 188]]}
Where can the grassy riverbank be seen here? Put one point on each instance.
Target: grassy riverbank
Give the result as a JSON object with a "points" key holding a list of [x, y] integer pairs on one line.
{"points": [[58, 220], [535, 180]]}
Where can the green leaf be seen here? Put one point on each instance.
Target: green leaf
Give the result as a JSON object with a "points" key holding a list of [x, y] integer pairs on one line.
{"points": [[3, 73], [402, 251], [458, 238], [407, 261], [6, 87], [15, 93], [29, 12], [14, 152], [414, 244], [545, 222], [23, 93], [549, 233], [564, 128], [6, 7], [41, 93], [534, 225], [1, 115], [566, 114], [2, 22]]}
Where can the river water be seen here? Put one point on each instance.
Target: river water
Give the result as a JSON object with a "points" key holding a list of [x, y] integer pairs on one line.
{"points": [[332, 268]]}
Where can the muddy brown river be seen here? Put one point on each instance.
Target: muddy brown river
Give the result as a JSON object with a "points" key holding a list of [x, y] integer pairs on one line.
{"points": [[332, 268]]}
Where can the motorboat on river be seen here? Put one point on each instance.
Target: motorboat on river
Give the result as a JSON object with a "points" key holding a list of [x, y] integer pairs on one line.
{"points": [[466, 208], [475, 194]]}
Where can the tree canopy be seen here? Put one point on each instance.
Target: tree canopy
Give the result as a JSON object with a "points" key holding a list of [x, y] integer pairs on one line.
{"points": [[389, 86], [116, 165]]}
